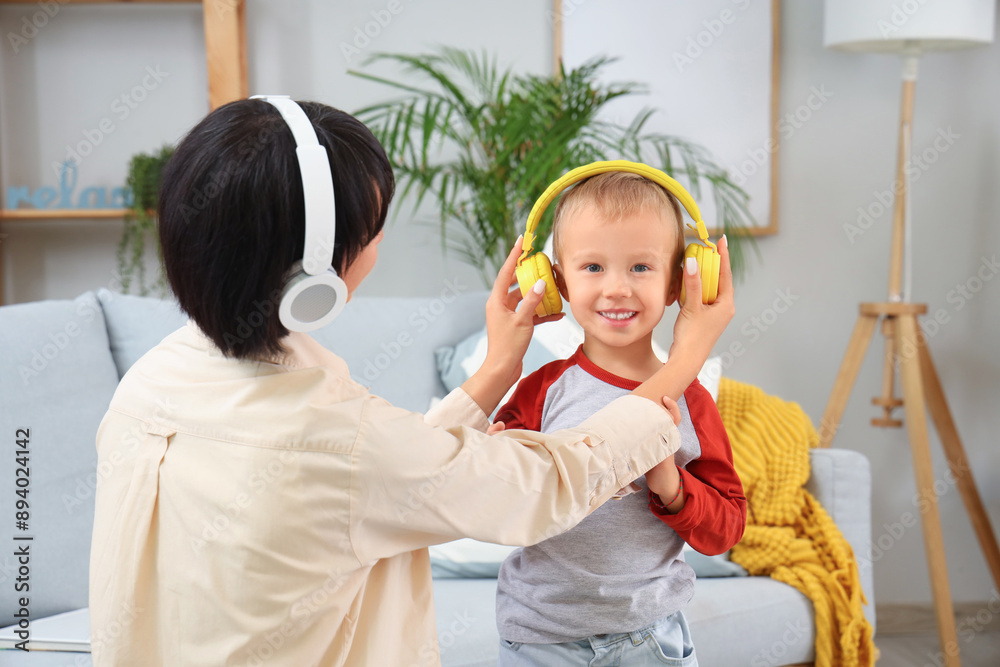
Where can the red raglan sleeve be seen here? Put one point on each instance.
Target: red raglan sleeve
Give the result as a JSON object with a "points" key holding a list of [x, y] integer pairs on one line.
{"points": [[715, 509], [524, 409]]}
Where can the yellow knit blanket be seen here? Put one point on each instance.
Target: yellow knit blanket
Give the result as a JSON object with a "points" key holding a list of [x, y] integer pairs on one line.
{"points": [[789, 535]]}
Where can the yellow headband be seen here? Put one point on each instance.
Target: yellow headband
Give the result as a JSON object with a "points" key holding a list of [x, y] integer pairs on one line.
{"points": [[595, 168]]}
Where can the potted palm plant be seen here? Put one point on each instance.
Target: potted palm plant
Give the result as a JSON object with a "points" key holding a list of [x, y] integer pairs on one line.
{"points": [[143, 182], [485, 142]]}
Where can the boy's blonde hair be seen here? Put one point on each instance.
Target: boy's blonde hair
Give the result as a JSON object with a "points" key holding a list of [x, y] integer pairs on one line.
{"points": [[618, 194]]}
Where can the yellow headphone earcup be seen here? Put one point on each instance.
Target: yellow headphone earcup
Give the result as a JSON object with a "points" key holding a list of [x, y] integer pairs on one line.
{"points": [[528, 272], [713, 266], [708, 265]]}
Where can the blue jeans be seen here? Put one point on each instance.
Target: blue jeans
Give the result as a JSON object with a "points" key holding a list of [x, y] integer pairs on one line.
{"points": [[665, 642]]}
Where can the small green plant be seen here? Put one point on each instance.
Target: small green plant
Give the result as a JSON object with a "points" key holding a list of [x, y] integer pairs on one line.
{"points": [[143, 181], [485, 143]]}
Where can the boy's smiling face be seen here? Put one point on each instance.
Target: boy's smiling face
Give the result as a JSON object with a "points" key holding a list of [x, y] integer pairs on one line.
{"points": [[617, 277]]}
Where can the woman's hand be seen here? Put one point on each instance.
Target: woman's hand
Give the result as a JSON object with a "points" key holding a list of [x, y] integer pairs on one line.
{"points": [[699, 326], [509, 328], [696, 330], [664, 479], [508, 332]]}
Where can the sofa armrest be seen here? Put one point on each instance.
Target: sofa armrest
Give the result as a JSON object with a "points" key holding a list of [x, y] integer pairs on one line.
{"points": [[841, 481]]}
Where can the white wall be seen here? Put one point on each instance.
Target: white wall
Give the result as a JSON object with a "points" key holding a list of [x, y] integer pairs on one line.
{"points": [[63, 81]]}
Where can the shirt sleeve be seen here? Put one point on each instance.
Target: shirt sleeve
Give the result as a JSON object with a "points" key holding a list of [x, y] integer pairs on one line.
{"points": [[414, 484], [457, 409], [715, 509], [524, 409]]}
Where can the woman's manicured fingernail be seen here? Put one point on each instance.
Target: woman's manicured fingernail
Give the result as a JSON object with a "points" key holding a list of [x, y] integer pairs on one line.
{"points": [[692, 265], [518, 241], [725, 241], [539, 286]]}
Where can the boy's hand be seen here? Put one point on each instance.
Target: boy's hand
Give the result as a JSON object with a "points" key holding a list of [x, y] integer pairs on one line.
{"points": [[495, 428], [508, 332], [699, 326]]}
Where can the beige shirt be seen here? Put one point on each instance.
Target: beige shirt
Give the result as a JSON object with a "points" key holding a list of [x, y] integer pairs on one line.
{"points": [[259, 513]]}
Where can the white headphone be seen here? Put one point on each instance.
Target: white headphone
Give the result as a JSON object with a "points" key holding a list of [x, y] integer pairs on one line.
{"points": [[313, 294]]}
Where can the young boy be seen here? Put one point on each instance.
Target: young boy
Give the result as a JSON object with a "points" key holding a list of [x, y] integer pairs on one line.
{"points": [[612, 588]]}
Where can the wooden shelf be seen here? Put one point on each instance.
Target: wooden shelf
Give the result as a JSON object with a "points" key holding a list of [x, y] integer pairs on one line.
{"points": [[61, 213], [225, 56]]}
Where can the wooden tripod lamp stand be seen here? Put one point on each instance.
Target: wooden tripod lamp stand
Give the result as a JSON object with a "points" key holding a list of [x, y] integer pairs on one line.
{"points": [[888, 26]]}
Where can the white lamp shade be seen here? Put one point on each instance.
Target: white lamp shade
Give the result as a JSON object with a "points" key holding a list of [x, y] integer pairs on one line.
{"points": [[898, 26]]}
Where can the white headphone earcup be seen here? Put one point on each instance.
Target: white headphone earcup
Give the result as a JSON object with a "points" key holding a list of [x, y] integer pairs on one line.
{"points": [[311, 302]]}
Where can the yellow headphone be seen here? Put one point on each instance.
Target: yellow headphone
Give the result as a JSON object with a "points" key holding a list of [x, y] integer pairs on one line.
{"points": [[531, 268]]}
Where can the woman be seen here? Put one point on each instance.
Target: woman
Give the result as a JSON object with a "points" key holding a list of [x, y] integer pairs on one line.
{"points": [[259, 505]]}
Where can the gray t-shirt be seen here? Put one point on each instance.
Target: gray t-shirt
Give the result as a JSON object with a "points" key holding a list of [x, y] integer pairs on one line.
{"points": [[618, 570]]}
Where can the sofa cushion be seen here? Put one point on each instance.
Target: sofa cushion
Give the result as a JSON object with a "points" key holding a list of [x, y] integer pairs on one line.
{"points": [[712, 566], [750, 621], [745, 621], [136, 324], [59, 377]]}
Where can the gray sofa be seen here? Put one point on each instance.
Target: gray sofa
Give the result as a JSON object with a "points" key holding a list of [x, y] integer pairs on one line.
{"points": [[60, 364]]}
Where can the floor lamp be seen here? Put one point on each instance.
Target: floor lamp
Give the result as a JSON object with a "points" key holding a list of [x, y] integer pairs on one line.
{"points": [[909, 29]]}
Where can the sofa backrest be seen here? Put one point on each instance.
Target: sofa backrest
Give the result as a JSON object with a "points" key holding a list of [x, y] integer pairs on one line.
{"points": [[58, 377], [387, 342], [136, 324]]}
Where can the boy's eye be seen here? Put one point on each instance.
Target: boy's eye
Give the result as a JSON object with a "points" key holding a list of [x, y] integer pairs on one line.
{"points": [[592, 268], [640, 268]]}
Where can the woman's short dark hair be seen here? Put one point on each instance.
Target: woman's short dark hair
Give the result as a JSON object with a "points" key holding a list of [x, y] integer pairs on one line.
{"points": [[232, 216]]}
